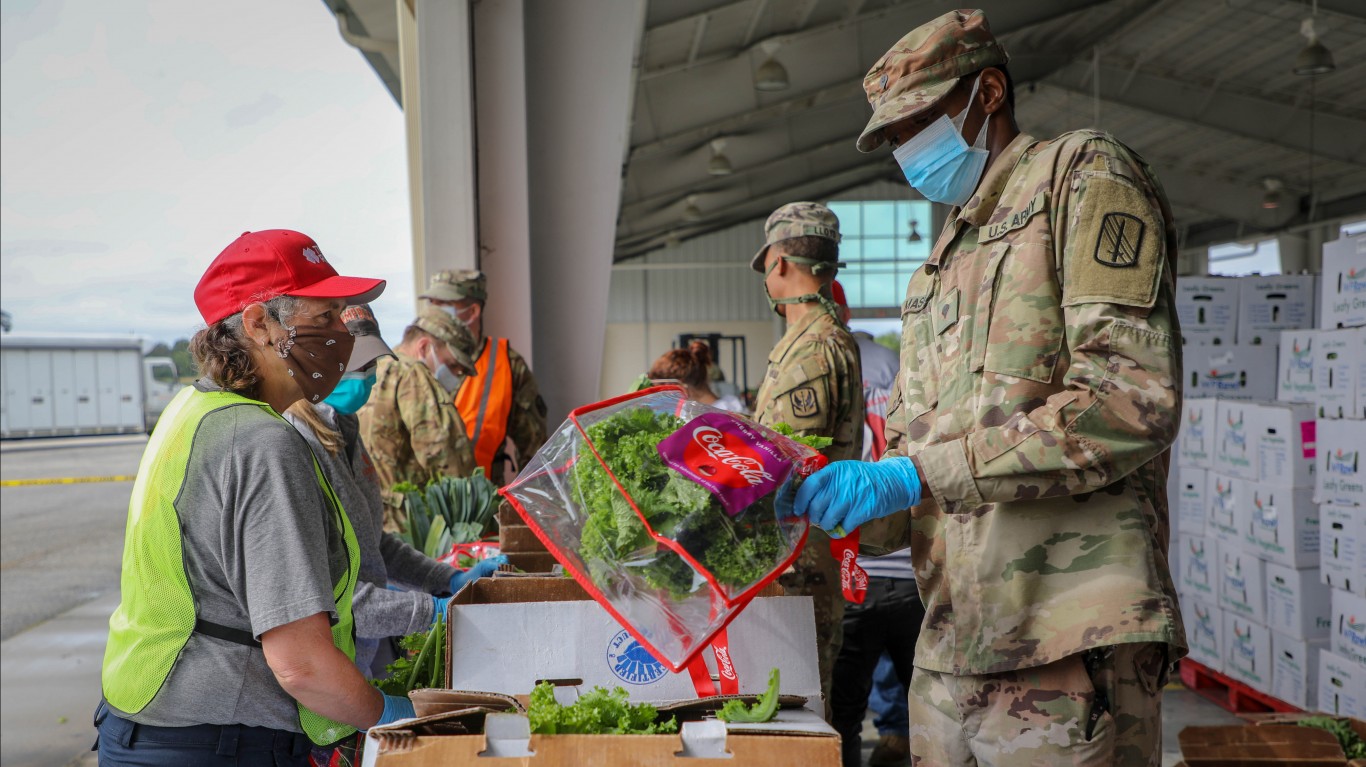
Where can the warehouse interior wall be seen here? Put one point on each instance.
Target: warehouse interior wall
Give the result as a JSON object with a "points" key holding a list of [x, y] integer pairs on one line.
{"points": [[631, 347]]}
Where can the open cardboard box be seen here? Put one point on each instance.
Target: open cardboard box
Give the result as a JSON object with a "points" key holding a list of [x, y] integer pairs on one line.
{"points": [[506, 634], [1268, 739]]}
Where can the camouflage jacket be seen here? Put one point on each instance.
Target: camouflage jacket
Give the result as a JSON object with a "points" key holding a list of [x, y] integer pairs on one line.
{"points": [[412, 430], [1039, 390], [813, 384]]}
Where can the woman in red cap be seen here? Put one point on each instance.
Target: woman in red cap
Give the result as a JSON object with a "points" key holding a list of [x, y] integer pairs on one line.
{"points": [[233, 642]]}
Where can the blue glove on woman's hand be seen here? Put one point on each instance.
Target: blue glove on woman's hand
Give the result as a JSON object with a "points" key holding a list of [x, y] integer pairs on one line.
{"points": [[846, 494], [395, 708], [484, 567], [439, 605]]}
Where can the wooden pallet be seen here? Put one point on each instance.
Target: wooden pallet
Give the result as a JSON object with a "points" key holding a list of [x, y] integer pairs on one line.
{"points": [[1228, 693]]}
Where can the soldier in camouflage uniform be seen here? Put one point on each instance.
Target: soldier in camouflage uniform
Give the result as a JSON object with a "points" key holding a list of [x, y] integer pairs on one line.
{"points": [[1036, 407], [409, 424], [813, 384], [500, 401]]}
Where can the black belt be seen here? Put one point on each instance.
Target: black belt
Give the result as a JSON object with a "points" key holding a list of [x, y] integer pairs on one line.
{"points": [[226, 633]]}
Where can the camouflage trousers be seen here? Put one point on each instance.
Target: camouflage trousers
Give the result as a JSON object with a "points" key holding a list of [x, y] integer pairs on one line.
{"points": [[1100, 708], [816, 574]]}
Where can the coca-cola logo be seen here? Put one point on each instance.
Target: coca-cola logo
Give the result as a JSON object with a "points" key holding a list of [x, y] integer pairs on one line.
{"points": [[725, 459], [723, 664], [852, 577]]}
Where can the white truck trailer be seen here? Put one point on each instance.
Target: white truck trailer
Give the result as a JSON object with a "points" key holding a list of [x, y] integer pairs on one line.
{"points": [[63, 385]]}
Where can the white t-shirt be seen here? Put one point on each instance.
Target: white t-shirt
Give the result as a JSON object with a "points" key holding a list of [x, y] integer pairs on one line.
{"points": [[730, 402]]}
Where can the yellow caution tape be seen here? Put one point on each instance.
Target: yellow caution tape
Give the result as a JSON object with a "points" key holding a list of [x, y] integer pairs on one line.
{"points": [[65, 480]]}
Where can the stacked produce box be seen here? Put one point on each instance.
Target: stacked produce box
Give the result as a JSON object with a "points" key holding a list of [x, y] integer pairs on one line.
{"points": [[1267, 525], [1339, 394]]}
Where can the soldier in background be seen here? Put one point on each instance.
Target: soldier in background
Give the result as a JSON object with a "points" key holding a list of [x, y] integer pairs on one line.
{"points": [[812, 384], [1030, 436], [409, 424], [500, 400]]}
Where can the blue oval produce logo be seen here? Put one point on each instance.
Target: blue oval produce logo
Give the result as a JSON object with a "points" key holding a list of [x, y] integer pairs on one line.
{"points": [[631, 662]]}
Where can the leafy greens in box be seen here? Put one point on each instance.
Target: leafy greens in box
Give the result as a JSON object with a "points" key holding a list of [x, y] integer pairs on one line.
{"points": [[663, 509]]}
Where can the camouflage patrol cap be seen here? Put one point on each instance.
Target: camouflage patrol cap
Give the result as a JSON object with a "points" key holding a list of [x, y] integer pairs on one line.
{"points": [[797, 219], [457, 285], [922, 67], [449, 331]]}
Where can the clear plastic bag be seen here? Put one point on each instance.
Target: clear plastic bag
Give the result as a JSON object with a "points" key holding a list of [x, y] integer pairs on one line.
{"points": [[663, 510]]}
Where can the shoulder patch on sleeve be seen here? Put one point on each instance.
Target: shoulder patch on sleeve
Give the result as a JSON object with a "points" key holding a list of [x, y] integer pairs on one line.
{"points": [[804, 402], [1115, 243]]}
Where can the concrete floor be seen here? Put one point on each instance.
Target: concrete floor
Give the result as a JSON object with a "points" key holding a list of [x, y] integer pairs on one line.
{"points": [[60, 547]]}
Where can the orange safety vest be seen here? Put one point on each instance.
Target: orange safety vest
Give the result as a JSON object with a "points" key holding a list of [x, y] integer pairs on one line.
{"points": [[485, 400]]}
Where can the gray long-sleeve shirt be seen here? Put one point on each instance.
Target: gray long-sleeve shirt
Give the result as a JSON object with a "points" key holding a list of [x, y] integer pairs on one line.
{"points": [[385, 559]]}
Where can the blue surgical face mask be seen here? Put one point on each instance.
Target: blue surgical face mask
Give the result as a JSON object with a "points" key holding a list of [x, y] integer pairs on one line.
{"points": [[352, 392], [449, 379], [939, 163]]}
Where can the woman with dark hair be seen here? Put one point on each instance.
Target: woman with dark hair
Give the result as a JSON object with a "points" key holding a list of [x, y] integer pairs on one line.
{"points": [[691, 368], [233, 642]]}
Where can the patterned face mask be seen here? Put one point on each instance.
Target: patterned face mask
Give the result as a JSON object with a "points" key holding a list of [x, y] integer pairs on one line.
{"points": [[315, 357]]}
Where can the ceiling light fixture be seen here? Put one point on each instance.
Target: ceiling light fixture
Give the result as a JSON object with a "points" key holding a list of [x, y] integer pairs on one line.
{"points": [[771, 75], [1273, 193], [720, 163], [915, 233], [1314, 58], [690, 211]]}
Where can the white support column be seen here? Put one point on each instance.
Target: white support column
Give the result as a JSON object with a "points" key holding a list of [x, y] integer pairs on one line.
{"points": [[504, 213], [579, 75], [438, 103], [412, 110]]}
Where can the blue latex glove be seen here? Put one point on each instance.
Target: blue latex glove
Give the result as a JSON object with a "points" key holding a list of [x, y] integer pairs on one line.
{"points": [[846, 494], [484, 567], [439, 605], [395, 708]]}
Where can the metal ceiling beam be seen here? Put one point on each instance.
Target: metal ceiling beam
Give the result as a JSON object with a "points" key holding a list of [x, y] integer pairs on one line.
{"points": [[695, 137], [721, 183], [758, 207], [1025, 67], [1337, 138], [699, 32], [698, 14], [1352, 9]]}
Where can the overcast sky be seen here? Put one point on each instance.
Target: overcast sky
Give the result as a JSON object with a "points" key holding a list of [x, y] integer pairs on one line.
{"points": [[139, 137]]}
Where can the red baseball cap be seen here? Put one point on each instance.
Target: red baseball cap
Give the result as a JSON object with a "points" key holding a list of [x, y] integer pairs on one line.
{"points": [[837, 293], [259, 266]]}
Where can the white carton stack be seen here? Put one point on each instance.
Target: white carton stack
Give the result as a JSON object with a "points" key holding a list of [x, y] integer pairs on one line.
{"points": [[1338, 392], [1269, 305], [1195, 549], [1208, 309]]}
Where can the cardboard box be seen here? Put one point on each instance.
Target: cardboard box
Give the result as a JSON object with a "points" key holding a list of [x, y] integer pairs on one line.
{"points": [[1359, 410], [1341, 473], [1281, 524], [1284, 434], [1199, 574], [1342, 289], [1272, 745], [498, 628], [799, 737], [1247, 652], [1195, 443], [1295, 369], [1298, 604], [1342, 535], [1336, 363], [1226, 506], [1191, 501], [498, 631], [1342, 686], [1238, 371], [1295, 669], [1208, 309], [1348, 632], [1242, 584], [1268, 305], [1204, 623], [1235, 448]]}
